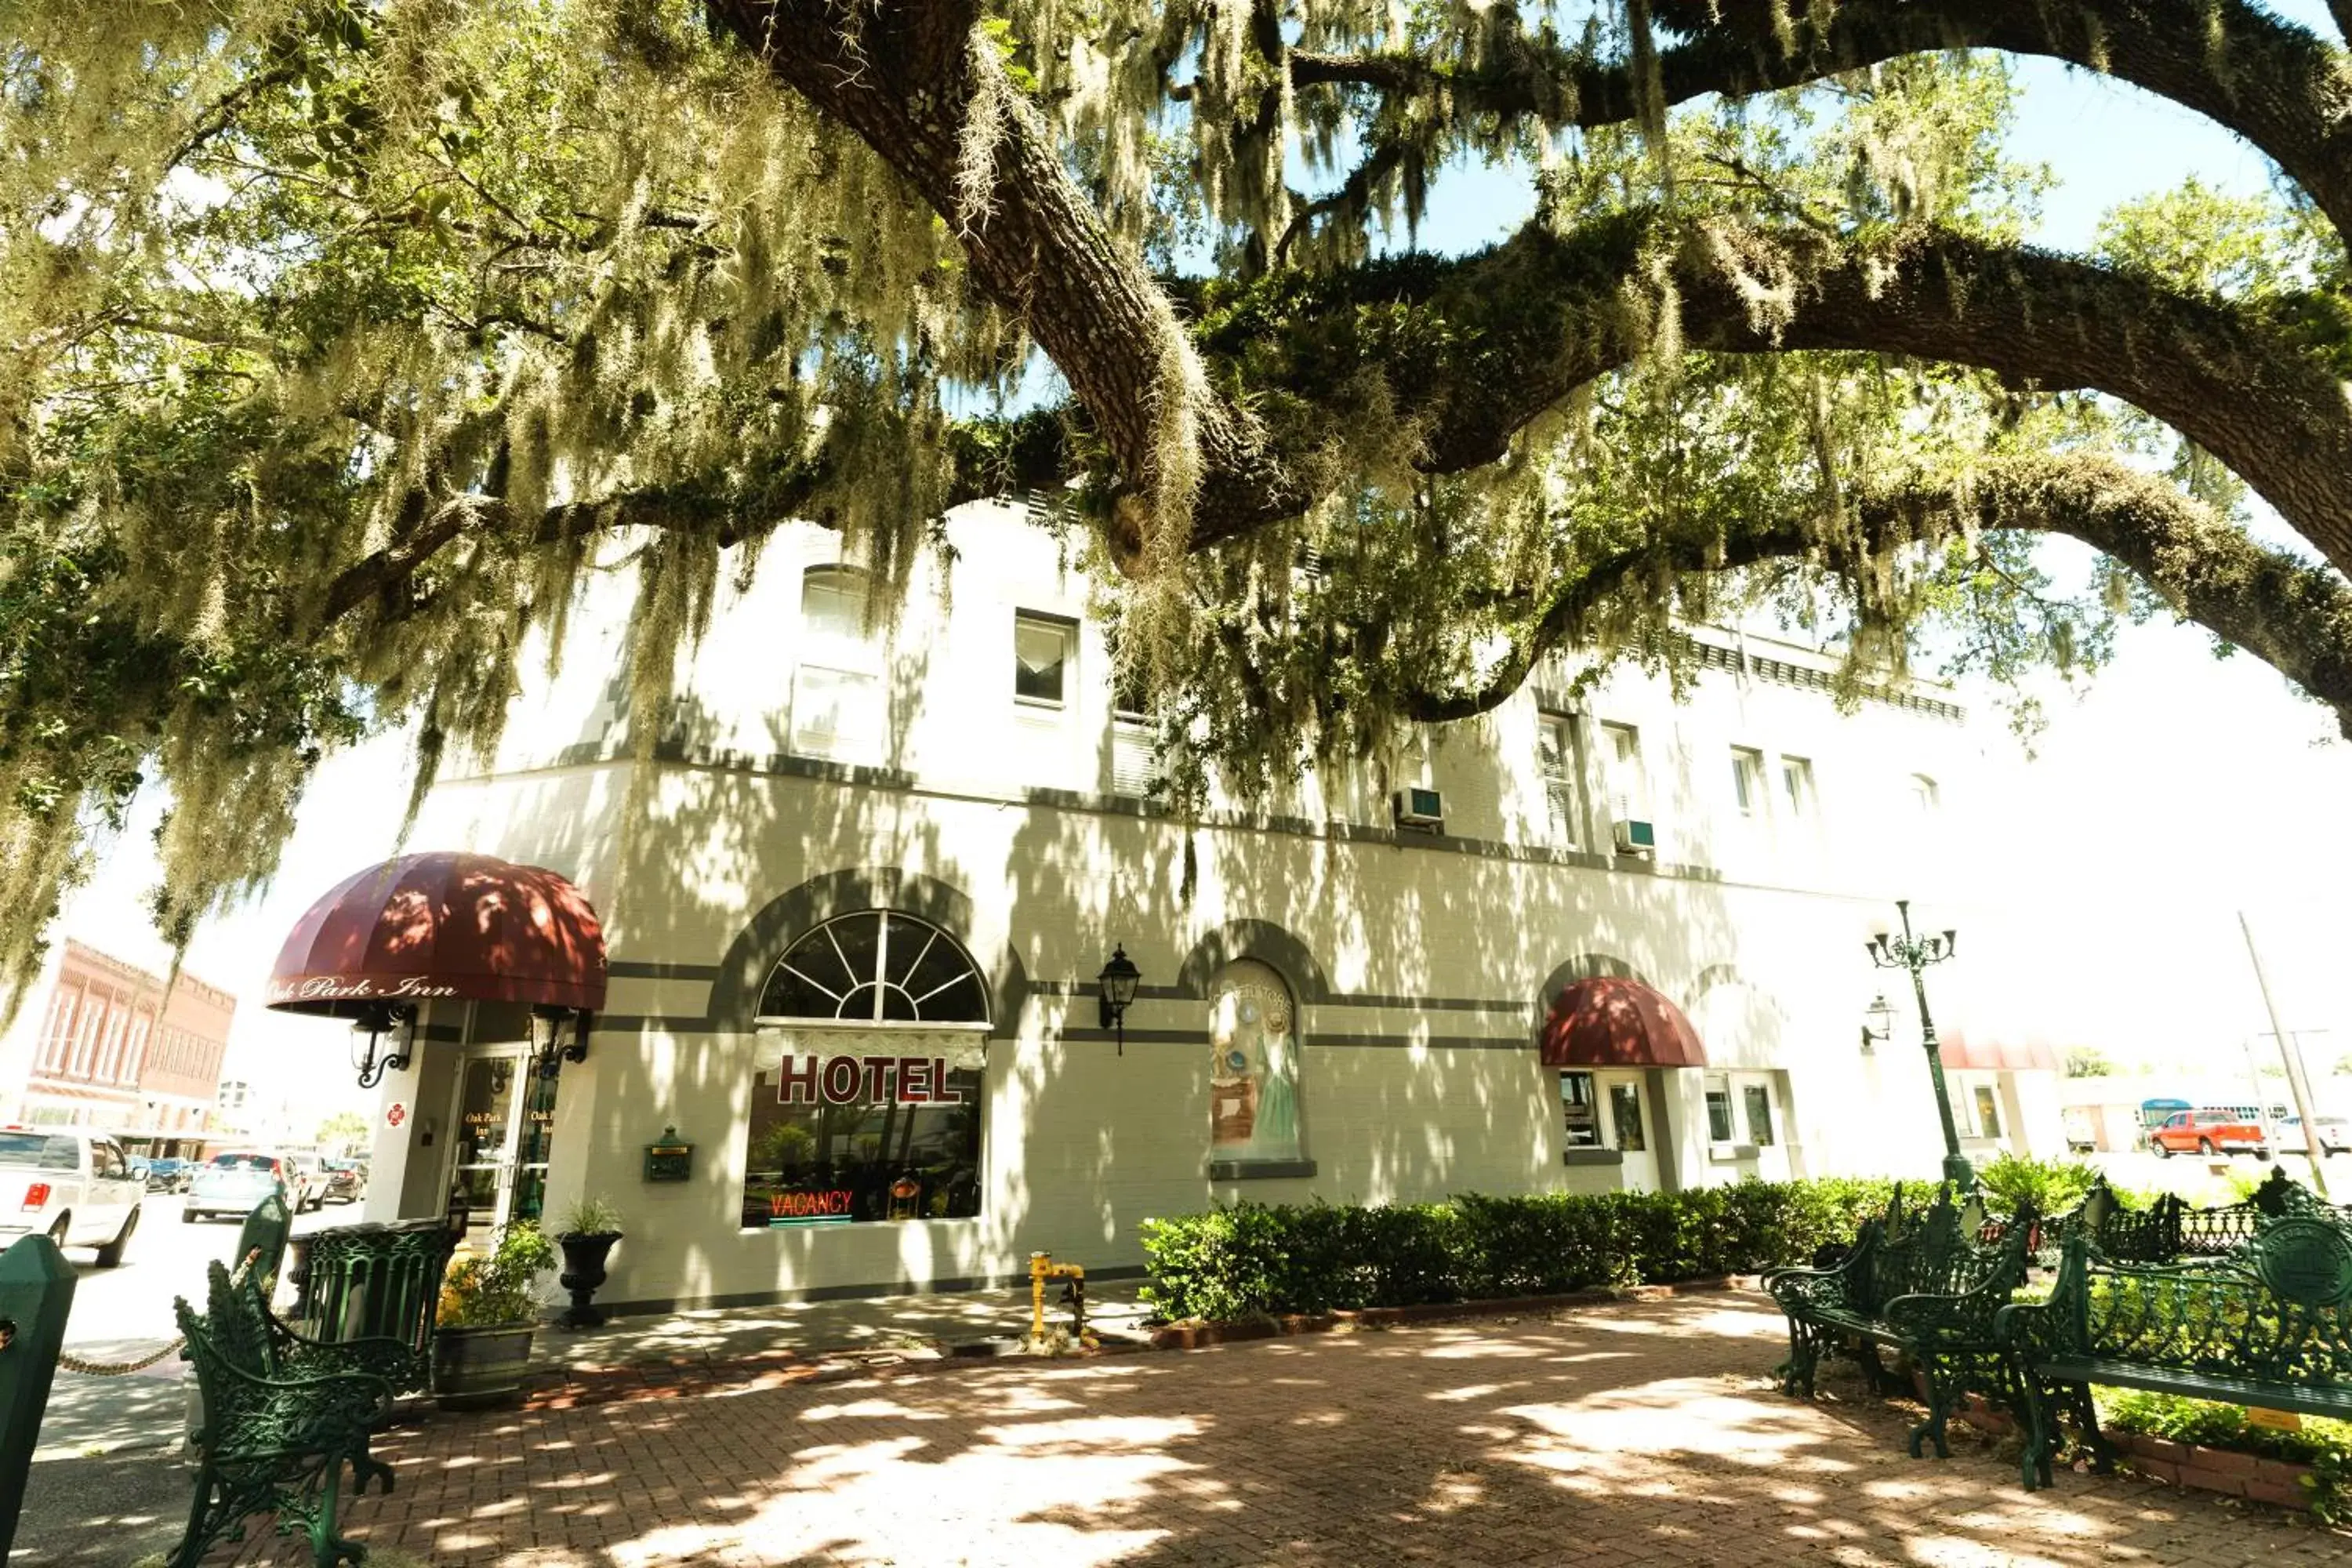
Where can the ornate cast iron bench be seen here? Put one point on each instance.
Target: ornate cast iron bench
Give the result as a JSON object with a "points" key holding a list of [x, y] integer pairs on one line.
{"points": [[280, 1422], [1930, 1293], [2169, 1230], [2269, 1326]]}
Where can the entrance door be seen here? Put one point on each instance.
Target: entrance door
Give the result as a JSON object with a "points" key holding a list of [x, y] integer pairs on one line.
{"points": [[505, 1120], [1626, 1106]]}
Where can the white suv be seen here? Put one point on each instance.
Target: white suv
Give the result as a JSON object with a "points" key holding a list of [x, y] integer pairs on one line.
{"points": [[75, 1184]]}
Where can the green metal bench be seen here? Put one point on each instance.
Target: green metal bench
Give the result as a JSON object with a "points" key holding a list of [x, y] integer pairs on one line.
{"points": [[1930, 1293], [280, 1424], [2169, 1230], [2269, 1326]]}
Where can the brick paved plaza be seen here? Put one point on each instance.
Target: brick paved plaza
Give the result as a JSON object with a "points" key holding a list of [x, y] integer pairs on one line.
{"points": [[1641, 1434]]}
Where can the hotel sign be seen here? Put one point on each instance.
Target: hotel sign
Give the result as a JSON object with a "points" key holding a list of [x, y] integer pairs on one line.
{"points": [[849, 1081]]}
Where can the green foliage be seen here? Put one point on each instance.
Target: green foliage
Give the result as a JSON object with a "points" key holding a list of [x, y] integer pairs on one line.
{"points": [[2051, 1186], [344, 1129], [1249, 1258], [590, 1217], [2088, 1061], [497, 1288], [2325, 1445]]}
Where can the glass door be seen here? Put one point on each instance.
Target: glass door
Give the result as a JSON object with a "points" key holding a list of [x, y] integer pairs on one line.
{"points": [[505, 1121]]}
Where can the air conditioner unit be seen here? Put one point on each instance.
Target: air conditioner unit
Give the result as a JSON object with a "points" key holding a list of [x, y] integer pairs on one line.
{"points": [[1421, 808], [1636, 836]]}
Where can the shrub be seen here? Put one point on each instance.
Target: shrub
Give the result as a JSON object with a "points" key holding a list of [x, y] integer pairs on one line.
{"points": [[1249, 1258], [2051, 1186]]}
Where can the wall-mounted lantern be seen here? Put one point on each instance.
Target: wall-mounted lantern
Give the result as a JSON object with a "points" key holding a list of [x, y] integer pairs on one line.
{"points": [[1117, 985], [1877, 1022], [548, 1050], [373, 1021]]}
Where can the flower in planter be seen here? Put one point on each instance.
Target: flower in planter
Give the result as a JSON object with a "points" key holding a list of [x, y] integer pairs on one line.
{"points": [[493, 1288]]}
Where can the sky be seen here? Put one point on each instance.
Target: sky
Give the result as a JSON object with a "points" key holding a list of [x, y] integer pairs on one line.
{"points": [[2175, 791]]}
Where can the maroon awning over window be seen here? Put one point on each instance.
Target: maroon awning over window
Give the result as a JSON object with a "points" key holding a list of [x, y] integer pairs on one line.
{"points": [[443, 926], [1612, 1023]]}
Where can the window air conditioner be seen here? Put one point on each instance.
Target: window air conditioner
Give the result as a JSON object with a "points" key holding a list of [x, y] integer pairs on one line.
{"points": [[1636, 836], [1421, 808]]}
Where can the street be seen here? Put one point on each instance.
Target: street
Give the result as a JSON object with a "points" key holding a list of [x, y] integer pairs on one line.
{"points": [[118, 1306]]}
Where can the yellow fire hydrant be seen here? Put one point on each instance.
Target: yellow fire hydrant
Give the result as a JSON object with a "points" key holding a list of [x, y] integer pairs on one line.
{"points": [[1043, 1267]]}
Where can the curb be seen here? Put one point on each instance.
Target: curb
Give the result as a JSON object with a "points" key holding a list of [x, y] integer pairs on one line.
{"points": [[1204, 1334]]}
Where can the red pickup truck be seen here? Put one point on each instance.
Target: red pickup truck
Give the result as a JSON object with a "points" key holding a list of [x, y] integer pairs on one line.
{"points": [[2215, 1130]]}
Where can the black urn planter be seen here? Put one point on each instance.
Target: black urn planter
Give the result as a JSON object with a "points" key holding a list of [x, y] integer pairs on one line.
{"points": [[583, 1275]]}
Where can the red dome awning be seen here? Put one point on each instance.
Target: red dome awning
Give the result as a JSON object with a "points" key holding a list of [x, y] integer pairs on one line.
{"points": [[1612, 1023], [1993, 1052], [443, 926]]}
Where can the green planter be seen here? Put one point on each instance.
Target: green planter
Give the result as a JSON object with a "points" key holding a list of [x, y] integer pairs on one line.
{"points": [[474, 1369]]}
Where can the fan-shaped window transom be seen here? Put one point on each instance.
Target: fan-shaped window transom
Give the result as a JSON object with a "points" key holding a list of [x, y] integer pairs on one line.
{"points": [[876, 966]]}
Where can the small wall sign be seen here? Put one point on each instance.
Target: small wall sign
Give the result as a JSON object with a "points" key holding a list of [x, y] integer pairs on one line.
{"points": [[669, 1160], [395, 1114]]}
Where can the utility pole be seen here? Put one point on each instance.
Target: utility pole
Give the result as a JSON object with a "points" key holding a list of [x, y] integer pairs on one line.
{"points": [[2313, 1149]]}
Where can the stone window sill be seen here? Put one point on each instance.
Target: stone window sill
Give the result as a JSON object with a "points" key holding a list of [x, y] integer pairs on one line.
{"points": [[1258, 1169], [1592, 1156]]}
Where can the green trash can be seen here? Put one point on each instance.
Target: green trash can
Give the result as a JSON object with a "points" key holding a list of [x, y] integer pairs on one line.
{"points": [[364, 1282]]}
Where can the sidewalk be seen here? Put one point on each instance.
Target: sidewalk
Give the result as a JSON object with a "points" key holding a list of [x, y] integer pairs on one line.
{"points": [[108, 1487], [966, 1322], [1640, 1434]]}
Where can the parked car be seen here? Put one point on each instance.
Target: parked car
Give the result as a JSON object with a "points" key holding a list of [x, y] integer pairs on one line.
{"points": [[346, 1180], [73, 1184], [2213, 1130], [167, 1175], [233, 1181], [2335, 1135]]}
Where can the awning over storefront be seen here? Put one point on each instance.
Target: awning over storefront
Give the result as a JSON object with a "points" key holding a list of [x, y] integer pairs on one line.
{"points": [[1962, 1051], [443, 926], [1613, 1023]]}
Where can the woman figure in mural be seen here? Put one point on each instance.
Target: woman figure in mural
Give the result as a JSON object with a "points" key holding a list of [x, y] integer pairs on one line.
{"points": [[1254, 1068]]}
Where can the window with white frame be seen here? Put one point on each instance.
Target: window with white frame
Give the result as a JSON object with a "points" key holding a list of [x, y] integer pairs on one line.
{"points": [[1580, 1110], [1980, 1107], [1043, 651], [1556, 763], [1626, 1114], [1130, 734], [1719, 1128], [1925, 795], [1629, 784], [838, 704], [1756, 1097], [1747, 781], [1797, 788]]}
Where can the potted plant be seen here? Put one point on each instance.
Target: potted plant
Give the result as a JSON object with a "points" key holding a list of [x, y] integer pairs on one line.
{"points": [[590, 1228], [488, 1311]]}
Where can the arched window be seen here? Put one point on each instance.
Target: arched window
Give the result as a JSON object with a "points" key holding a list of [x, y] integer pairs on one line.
{"points": [[876, 966], [1253, 1065]]}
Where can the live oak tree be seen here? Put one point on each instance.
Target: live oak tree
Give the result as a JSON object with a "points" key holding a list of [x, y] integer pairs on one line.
{"points": [[343, 338]]}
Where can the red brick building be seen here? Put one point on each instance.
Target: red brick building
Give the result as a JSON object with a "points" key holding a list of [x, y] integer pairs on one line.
{"points": [[106, 1044]]}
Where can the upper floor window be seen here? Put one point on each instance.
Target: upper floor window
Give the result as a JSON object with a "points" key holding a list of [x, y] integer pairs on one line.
{"points": [[1797, 788], [1043, 647], [1629, 784], [1924, 797], [1747, 780], [838, 697], [1556, 761]]}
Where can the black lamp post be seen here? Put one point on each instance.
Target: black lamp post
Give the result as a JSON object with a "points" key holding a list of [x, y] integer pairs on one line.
{"points": [[1118, 981], [1916, 954]]}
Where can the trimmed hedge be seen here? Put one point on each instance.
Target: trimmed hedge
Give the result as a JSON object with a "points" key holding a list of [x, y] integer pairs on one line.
{"points": [[1252, 1258]]}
